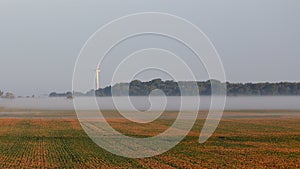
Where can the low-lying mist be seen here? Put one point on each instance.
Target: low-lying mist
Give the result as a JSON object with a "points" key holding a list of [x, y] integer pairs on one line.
{"points": [[156, 103]]}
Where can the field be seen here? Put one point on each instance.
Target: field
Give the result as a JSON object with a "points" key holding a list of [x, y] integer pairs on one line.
{"points": [[243, 140]]}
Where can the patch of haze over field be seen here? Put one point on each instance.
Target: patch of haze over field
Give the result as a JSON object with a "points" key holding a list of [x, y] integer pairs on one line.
{"points": [[142, 103]]}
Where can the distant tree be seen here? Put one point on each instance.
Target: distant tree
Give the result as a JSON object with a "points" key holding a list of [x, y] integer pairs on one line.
{"points": [[284, 89], [1, 93], [92, 92], [9, 95], [53, 94], [69, 95]]}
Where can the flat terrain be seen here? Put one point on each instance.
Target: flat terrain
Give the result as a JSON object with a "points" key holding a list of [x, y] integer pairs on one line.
{"points": [[248, 139]]}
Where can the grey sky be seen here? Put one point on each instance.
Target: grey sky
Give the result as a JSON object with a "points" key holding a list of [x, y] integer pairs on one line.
{"points": [[258, 40]]}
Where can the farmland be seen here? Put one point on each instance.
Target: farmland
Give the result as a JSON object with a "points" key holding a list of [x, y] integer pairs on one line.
{"points": [[55, 139]]}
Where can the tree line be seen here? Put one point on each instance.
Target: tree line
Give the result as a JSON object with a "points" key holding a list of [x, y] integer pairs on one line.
{"points": [[7, 95], [171, 88]]}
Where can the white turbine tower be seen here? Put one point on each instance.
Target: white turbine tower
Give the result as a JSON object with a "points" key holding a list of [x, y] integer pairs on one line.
{"points": [[97, 78]]}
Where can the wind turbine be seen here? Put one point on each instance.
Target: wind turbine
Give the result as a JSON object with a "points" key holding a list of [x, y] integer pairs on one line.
{"points": [[97, 77]]}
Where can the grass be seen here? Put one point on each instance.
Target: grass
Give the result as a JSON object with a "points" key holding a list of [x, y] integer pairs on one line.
{"points": [[237, 143]]}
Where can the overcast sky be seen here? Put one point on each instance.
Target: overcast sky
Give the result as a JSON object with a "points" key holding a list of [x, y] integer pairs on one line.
{"points": [[258, 40]]}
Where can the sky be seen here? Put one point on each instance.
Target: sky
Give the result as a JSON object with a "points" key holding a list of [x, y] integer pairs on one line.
{"points": [[257, 40]]}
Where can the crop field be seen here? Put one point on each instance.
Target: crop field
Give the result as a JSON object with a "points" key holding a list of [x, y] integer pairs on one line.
{"points": [[33, 141]]}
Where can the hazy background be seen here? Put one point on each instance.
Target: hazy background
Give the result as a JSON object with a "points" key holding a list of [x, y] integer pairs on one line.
{"points": [[258, 40]]}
